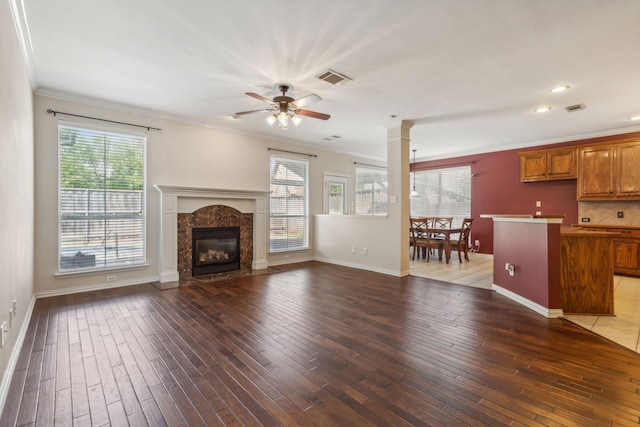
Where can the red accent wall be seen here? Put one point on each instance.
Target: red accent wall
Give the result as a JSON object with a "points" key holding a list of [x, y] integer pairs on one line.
{"points": [[496, 188], [534, 250]]}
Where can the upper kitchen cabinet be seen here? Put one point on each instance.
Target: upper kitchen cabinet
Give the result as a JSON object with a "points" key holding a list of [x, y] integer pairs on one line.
{"points": [[628, 170], [548, 165], [609, 172]]}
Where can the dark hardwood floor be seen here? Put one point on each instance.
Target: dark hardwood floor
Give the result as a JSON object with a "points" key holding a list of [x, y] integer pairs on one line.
{"points": [[314, 345]]}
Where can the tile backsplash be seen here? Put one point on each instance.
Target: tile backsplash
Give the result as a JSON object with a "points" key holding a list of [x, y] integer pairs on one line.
{"points": [[606, 213]]}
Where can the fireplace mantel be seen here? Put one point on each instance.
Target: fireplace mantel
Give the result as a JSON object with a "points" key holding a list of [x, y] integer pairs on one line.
{"points": [[173, 200]]}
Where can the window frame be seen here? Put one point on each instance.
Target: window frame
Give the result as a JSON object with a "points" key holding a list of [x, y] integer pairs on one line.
{"points": [[342, 180], [385, 203], [305, 205], [415, 208], [141, 261]]}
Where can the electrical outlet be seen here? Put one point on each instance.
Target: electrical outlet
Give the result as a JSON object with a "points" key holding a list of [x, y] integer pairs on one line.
{"points": [[477, 243], [112, 278], [353, 249], [585, 219], [365, 251], [538, 204]]}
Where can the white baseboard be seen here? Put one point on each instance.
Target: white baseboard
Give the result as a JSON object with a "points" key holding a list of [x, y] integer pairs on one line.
{"points": [[290, 261], [547, 312], [98, 287], [362, 267], [15, 353]]}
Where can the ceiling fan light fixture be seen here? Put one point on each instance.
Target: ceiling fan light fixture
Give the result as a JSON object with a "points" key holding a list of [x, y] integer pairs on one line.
{"points": [[271, 119], [286, 110], [283, 120]]}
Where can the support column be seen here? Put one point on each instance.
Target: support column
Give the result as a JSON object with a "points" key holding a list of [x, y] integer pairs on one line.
{"points": [[398, 148]]}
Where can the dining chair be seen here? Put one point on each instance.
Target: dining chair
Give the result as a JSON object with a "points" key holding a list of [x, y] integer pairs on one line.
{"points": [[418, 237], [462, 244], [421, 239], [440, 222]]}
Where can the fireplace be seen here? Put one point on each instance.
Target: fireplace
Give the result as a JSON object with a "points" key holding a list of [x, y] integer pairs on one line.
{"points": [[215, 250], [185, 208]]}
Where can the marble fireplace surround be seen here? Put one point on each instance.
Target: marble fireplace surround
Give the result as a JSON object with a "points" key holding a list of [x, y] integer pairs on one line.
{"points": [[175, 200]]}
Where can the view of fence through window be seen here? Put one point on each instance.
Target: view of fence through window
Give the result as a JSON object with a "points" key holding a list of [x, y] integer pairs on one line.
{"points": [[101, 199], [288, 204], [371, 191], [443, 193]]}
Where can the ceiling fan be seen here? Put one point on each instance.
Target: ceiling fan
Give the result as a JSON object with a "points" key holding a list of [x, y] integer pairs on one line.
{"points": [[285, 109]]}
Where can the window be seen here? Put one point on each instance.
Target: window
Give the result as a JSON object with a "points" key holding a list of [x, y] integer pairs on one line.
{"points": [[289, 219], [336, 200], [443, 192], [371, 191], [101, 198]]}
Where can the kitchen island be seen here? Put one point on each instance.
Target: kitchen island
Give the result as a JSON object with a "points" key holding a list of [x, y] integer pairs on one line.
{"points": [[550, 268], [587, 268]]}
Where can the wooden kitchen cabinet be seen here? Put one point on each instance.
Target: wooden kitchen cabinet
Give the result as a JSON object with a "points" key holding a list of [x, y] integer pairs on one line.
{"points": [[586, 271], [626, 248], [595, 173], [609, 172], [628, 170], [548, 165]]}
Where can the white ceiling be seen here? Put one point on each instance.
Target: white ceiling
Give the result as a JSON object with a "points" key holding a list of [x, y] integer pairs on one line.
{"points": [[468, 73]]}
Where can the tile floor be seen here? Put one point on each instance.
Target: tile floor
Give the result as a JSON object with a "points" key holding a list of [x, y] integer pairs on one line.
{"points": [[623, 328]]}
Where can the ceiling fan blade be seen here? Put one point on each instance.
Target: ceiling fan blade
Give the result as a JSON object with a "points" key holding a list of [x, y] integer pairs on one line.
{"points": [[253, 111], [313, 114], [305, 100], [260, 98]]}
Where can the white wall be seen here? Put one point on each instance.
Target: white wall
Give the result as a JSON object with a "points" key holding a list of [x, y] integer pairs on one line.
{"points": [[376, 244], [16, 193], [182, 155]]}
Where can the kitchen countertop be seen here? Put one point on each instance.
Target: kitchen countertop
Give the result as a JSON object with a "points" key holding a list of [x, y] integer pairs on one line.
{"points": [[519, 216], [621, 227], [578, 231]]}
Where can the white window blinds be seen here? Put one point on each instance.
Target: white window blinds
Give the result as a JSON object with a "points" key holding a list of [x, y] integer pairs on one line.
{"points": [[101, 198], [288, 204], [371, 191], [443, 192]]}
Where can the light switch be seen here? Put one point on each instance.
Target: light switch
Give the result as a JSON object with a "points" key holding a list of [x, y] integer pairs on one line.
{"points": [[538, 204]]}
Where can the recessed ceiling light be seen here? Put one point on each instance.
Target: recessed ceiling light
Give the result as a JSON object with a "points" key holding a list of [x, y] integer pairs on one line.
{"points": [[558, 89], [542, 109], [635, 118]]}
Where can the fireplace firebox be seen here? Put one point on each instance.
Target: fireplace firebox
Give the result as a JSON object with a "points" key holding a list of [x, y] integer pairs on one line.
{"points": [[215, 250]]}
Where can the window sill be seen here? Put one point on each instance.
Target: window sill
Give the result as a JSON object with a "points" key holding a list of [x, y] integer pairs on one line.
{"points": [[354, 216], [95, 272], [279, 251]]}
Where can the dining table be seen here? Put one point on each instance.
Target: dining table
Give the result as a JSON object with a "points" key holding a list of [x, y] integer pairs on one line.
{"points": [[445, 233]]}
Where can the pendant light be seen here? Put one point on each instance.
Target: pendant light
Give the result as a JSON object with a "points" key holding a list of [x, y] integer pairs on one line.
{"points": [[414, 193]]}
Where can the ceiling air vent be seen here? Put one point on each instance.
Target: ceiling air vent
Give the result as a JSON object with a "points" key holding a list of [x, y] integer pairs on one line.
{"points": [[576, 107], [334, 78], [332, 137]]}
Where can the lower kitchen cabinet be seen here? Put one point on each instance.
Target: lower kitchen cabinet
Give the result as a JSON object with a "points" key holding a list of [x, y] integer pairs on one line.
{"points": [[626, 248]]}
